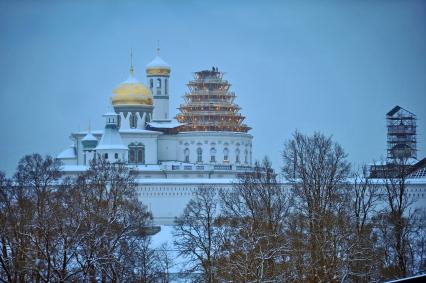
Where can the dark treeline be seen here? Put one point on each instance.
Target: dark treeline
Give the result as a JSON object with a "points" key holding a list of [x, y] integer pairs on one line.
{"points": [[91, 228], [329, 224]]}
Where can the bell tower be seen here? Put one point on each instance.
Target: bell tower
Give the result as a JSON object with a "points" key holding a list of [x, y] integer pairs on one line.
{"points": [[158, 74]]}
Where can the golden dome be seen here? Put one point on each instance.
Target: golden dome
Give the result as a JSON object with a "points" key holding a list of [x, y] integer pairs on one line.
{"points": [[132, 92]]}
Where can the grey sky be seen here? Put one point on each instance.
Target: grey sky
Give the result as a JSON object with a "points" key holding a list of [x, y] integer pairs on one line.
{"points": [[332, 66]]}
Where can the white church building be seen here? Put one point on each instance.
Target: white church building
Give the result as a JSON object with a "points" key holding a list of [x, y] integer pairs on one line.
{"points": [[206, 143]]}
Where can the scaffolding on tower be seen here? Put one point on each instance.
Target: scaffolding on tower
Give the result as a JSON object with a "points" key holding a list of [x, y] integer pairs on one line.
{"points": [[401, 137], [209, 105]]}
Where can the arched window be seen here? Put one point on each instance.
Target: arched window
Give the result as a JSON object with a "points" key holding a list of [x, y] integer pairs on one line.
{"points": [[237, 156], [212, 154], [141, 155], [116, 155], [136, 153], [225, 155], [199, 155], [166, 86], [151, 83], [246, 156], [131, 155], [158, 83], [186, 153], [133, 120]]}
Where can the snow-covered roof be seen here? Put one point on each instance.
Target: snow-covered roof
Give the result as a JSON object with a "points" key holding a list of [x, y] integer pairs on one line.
{"points": [[146, 167], [69, 153], [185, 181], [398, 108], [110, 113], [411, 161], [74, 168], [96, 132], [139, 131], [89, 137], [165, 124], [111, 139], [158, 62], [111, 146]]}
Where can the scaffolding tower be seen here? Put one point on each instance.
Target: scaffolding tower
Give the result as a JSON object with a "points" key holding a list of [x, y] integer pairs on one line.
{"points": [[209, 105], [401, 138]]}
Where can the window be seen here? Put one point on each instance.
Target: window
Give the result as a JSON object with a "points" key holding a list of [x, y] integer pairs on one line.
{"points": [[106, 155], [212, 154], [119, 121], [158, 83], [116, 155], [237, 156], [166, 86], [133, 120], [186, 153], [131, 155], [199, 155], [136, 153], [225, 155], [246, 156], [140, 156], [151, 83]]}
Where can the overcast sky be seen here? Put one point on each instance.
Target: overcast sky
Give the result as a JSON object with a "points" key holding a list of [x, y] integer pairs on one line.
{"points": [[332, 66]]}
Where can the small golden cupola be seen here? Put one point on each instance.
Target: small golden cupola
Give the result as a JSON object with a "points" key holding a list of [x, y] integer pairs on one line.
{"points": [[132, 92], [158, 67]]}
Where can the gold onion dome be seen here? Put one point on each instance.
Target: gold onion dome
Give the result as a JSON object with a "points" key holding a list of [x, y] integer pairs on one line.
{"points": [[132, 92], [158, 66]]}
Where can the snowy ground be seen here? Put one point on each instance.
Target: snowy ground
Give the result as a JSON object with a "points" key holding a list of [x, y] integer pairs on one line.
{"points": [[165, 236]]}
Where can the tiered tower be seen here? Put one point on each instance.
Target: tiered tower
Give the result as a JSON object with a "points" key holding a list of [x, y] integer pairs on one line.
{"points": [[209, 106], [401, 125]]}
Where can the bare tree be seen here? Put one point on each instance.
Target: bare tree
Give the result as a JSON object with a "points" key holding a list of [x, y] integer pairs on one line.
{"points": [[419, 243], [254, 218], [55, 229], [362, 255], [196, 235], [16, 221], [33, 223], [317, 169], [398, 221], [165, 262], [9, 269], [115, 221], [40, 177]]}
